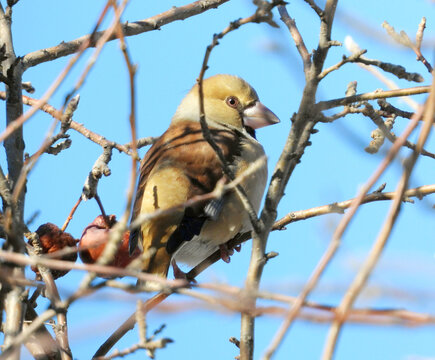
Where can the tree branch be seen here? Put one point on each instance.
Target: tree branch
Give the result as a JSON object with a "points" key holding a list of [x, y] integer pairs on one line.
{"points": [[379, 94], [129, 29]]}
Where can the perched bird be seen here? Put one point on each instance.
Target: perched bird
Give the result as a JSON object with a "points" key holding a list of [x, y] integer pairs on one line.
{"points": [[182, 164]]}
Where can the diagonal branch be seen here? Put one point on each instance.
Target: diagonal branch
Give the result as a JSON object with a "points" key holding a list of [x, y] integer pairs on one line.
{"points": [[129, 29], [376, 251], [329, 104], [296, 35], [336, 240], [94, 137]]}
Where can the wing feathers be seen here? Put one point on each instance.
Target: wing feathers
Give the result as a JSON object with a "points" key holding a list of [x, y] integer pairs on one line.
{"points": [[180, 165]]}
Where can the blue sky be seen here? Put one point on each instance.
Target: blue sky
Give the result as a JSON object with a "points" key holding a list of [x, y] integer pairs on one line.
{"points": [[332, 169]]}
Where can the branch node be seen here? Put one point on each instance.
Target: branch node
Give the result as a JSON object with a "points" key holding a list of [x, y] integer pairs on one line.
{"points": [[380, 188], [234, 341], [270, 255]]}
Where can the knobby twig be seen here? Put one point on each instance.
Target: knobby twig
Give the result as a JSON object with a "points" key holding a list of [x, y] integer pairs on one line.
{"points": [[297, 38], [379, 94], [357, 57], [20, 120], [404, 39], [354, 47], [316, 8], [94, 137], [128, 29], [339, 207]]}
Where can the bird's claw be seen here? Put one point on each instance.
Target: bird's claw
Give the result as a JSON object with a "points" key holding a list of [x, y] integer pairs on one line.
{"points": [[226, 252]]}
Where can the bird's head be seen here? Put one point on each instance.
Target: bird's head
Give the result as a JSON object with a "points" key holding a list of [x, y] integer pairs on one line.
{"points": [[228, 100]]}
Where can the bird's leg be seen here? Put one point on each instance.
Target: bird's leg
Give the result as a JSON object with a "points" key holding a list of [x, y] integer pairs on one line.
{"points": [[178, 273]]}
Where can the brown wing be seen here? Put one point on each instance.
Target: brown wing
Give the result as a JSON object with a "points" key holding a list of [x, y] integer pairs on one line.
{"points": [[180, 165]]}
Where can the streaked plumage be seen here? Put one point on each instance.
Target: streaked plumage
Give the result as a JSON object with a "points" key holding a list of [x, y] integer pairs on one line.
{"points": [[181, 164]]}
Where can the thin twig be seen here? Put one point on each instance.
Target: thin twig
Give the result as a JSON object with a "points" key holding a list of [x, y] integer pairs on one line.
{"points": [[71, 214], [339, 207], [100, 269], [129, 29], [96, 138], [294, 32], [315, 7], [329, 104], [404, 39], [354, 47], [19, 121], [129, 324]]}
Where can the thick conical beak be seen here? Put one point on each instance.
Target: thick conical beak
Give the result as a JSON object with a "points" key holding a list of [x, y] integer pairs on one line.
{"points": [[258, 116]]}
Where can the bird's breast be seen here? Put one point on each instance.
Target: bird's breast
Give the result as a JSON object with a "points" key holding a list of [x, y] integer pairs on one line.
{"points": [[233, 217]]}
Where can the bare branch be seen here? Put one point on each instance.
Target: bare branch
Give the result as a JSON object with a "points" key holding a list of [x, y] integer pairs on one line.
{"points": [[404, 39], [297, 38], [94, 137], [99, 169], [11, 68], [384, 130], [100, 269], [297, 141], [129, 29], [339, 207], [346, 59], [329, 104], [392, 110], [315, 7], [420, 32], [357, 57]]}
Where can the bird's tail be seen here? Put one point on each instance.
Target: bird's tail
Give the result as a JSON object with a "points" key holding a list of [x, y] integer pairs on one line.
{"points": [[158, 260]]}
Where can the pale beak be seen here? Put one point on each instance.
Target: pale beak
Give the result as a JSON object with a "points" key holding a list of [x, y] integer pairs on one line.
{"points": [[258, 116]]}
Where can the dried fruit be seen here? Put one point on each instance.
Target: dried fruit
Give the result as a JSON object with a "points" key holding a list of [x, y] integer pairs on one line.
{"points": [[95, 237], [53, 239]]}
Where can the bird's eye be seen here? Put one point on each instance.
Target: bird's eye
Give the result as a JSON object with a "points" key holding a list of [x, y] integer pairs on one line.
{"points": [[232, 101]]}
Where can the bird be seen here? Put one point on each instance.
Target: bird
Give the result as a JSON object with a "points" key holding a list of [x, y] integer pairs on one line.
{"points": [[182, 164]]}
